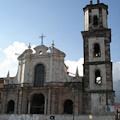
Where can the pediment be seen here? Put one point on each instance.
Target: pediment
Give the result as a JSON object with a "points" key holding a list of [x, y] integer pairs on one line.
{"points": [[41, 50]]}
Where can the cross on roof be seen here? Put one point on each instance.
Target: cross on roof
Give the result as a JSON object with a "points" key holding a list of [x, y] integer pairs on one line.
{"points": [[42, 36]]}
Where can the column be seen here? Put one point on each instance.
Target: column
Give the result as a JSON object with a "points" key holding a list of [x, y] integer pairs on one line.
{"points": [[29, 107], [76, 103], [45, 106], [49, 101], [4, 103]]}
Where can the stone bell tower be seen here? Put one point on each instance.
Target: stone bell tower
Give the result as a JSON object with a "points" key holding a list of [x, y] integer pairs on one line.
{"points": [[98, 83]]}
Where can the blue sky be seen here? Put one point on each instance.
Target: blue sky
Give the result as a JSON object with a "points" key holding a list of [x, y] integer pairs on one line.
{"points": [[59, 20], [23, 21]]}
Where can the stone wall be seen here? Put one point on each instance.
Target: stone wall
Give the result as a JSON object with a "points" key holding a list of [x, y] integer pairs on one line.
{"points": [[57, 117]]}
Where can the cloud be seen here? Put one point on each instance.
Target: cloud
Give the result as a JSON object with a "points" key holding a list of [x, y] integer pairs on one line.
{"points": [[72, 66], [116, 71], [116, 80], [6, 66], [17, 47], [0, 49], [10, 61]]}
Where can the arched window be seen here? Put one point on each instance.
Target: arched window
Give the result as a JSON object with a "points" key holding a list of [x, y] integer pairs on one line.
{"points": [[39, 75], [10, 107], [95, 20], [37, 104], [96, 50], [68, 107], [98, 78]]}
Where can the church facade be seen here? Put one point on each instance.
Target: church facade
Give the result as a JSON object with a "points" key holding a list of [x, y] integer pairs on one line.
{"points": [[43, 85]]}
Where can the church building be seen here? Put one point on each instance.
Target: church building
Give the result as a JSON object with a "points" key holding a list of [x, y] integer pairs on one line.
{"points": [[43, 84]]}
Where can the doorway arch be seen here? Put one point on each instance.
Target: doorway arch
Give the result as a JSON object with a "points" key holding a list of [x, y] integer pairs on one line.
{"points": [[68, 107], [10, 107], [37, 104]]}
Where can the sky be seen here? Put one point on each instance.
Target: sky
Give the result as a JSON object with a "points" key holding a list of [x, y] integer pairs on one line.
{"points": [[23, 21]]}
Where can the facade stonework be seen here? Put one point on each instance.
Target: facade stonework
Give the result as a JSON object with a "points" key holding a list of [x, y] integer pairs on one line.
{"points": [[43, 84], [57, 87]]}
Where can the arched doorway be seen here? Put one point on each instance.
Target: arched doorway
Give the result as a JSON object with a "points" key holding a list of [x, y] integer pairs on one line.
{"points": [[37, 104], [10, 107], [68, 107]]}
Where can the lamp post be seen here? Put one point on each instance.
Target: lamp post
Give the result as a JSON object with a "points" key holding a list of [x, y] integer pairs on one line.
{"points": [[73, 92], [73, 86]]}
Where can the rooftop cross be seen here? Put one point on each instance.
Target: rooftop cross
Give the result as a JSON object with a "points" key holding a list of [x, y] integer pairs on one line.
{"points": [[52, 45], [29, 46], [91, 2], [42, 36]]}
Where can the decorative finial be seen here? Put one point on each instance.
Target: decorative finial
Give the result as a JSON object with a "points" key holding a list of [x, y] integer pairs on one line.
{"points": [[77, 73], [52, 45], [42, 36], [8, 75], [29, 46], [91, 2]]}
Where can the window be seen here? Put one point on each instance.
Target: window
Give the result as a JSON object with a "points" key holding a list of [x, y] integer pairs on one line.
{"points": [[68, 107], [98, 78], [10, 107], [97, 50], [95, 20], [39, 75], [37, 104]]}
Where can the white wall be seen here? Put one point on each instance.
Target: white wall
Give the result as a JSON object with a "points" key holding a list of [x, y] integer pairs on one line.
{"points": [[57, 117]]}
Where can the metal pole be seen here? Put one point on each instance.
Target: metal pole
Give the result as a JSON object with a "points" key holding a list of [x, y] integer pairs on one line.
{"points": [[73, 91]]}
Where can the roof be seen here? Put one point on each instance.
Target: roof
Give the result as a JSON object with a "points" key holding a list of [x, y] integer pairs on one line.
{"points": [[95, 6]]}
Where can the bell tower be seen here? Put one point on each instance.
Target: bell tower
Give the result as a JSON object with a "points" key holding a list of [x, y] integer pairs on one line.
{"points": [[98, 83], [95, 16]]}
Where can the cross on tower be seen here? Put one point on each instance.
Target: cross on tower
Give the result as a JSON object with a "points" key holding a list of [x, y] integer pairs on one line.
{"points": [[42, 36]]}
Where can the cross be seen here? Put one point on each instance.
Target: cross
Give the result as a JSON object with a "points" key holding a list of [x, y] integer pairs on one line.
{"points": [[42, 36]]}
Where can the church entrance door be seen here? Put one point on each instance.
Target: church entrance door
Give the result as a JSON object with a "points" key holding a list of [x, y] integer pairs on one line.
{"points": [[37, 104]]}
